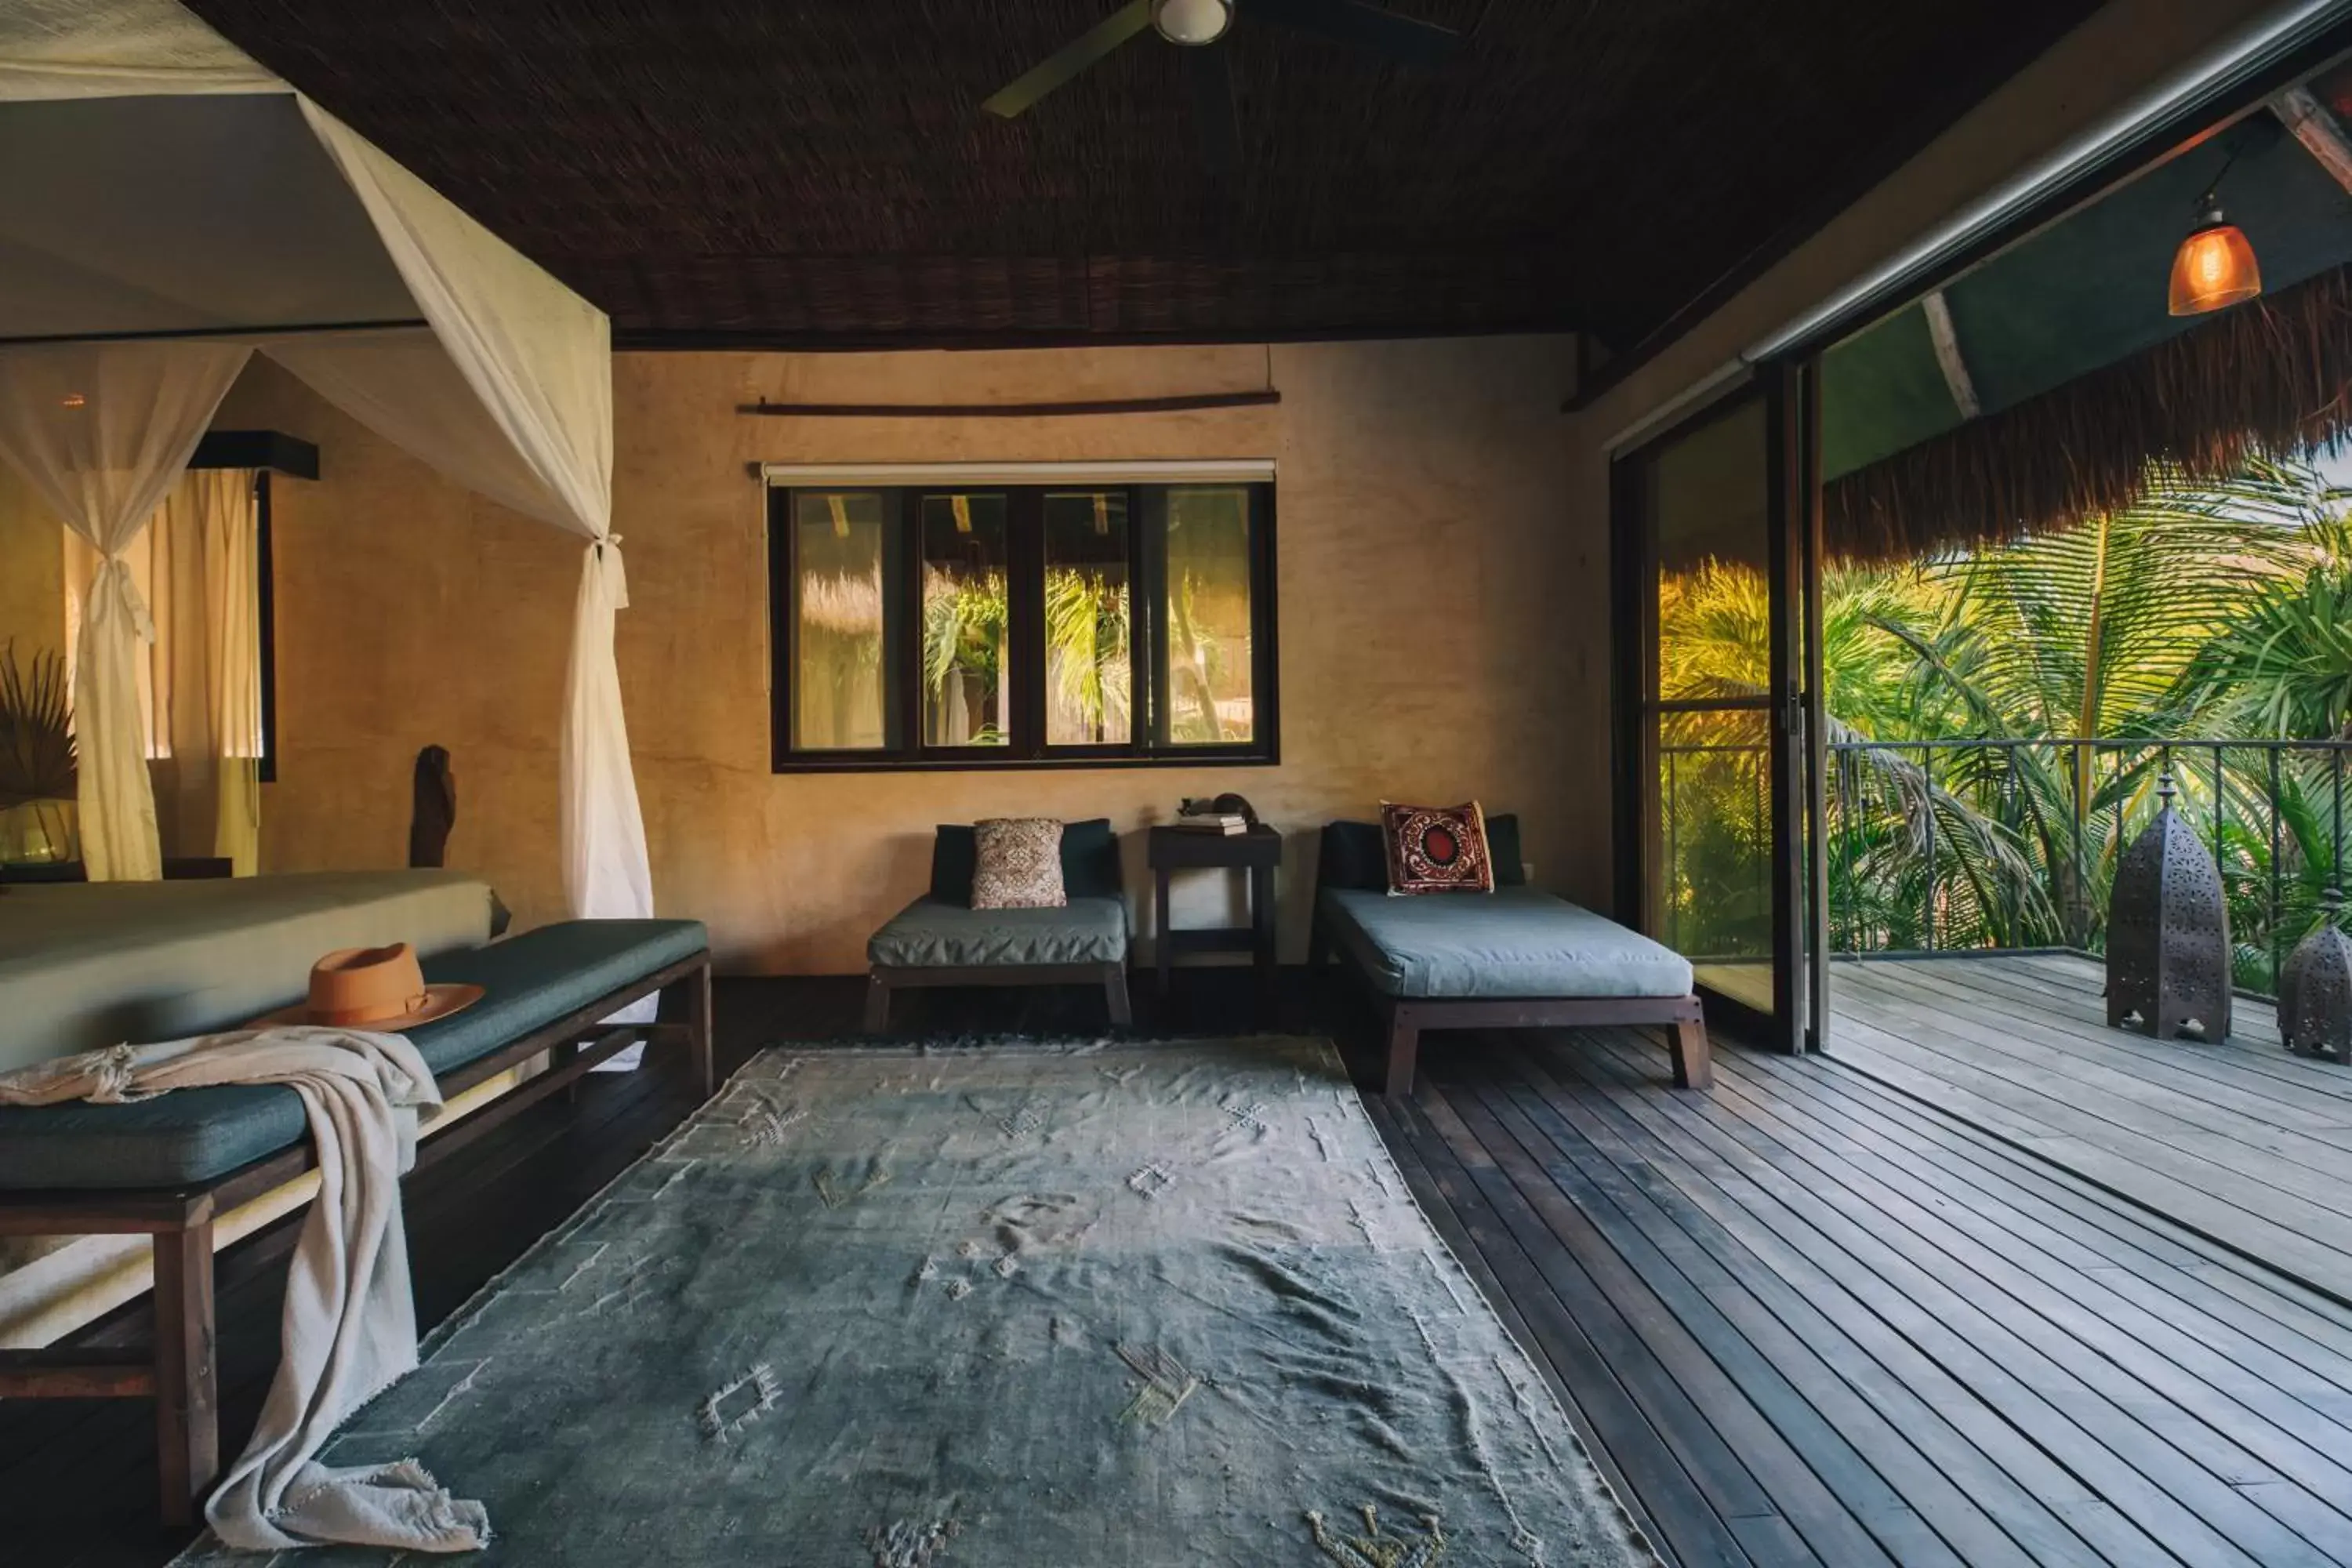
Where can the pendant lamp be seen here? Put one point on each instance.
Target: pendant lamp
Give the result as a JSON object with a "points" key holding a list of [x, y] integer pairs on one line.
{"points": [[2215, 266]]}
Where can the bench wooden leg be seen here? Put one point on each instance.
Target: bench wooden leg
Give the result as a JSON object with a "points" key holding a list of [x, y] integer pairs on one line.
{"points": [[697, 1020], [1694, 1062], [877, 1004], [187, 1422], [1115, 992], [1405, 1044]]}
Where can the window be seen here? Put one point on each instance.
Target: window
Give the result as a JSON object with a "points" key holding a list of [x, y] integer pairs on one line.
{"points": [[942, 625]]}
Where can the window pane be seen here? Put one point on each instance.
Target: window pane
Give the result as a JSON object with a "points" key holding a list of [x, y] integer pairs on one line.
{"points": [[967, 700], [1088, 691], [1207, 646], [839, 653]]}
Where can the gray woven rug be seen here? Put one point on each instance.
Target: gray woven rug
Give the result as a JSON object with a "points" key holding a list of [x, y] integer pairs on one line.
{"points": [[1130, 1306]]}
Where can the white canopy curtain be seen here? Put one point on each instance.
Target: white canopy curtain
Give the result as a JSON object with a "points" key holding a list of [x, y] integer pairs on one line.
{"points": [[195, 564], [155, 181], [102, 431]]}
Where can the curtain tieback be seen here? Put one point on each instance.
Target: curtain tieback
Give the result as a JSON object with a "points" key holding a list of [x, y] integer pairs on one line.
{"points": [[114, 591], [606, 555]]}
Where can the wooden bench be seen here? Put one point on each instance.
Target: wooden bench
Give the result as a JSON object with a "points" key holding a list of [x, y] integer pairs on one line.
{"points": [[1512, 959], [941, 940], [547, 993]]}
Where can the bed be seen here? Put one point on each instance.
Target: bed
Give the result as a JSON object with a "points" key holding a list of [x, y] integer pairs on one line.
{"points": [[84, 966], [1514, 958]]}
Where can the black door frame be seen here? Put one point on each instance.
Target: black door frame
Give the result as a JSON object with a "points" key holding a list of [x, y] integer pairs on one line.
{"points": [[1786, 391]]}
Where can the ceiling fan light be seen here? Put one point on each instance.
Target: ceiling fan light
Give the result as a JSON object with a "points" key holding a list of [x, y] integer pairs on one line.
{"points": [[2214, 269], [1192, 22]]}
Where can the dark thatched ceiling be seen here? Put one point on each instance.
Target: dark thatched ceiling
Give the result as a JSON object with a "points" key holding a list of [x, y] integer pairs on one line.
{"points": [[819, 171]]}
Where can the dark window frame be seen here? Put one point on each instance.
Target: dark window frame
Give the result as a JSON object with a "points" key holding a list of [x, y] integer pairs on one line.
{"points": [[1026, 636]]}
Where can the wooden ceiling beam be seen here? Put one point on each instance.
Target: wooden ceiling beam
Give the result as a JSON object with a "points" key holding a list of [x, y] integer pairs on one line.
{"points": [[1947, 339], [2321, 133]]}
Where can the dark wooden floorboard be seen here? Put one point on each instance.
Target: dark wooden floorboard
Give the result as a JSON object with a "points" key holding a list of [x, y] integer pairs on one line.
{"points": [[2241, 1140], [1869, 1328], [1889, 1307]]}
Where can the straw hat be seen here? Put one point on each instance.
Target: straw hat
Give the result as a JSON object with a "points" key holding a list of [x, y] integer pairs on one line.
{"points": [[379, 988]]}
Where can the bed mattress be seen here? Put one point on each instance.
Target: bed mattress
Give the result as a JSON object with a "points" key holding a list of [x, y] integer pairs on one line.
{"points": [[88, 964]]}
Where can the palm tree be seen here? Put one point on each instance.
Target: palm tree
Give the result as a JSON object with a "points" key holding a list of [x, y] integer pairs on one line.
{"points": [[2205, 610]]}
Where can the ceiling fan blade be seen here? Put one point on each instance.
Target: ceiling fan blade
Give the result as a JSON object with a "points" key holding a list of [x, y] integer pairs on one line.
{"points": [[1401, 38], [1056, 70], [1214, 118]]}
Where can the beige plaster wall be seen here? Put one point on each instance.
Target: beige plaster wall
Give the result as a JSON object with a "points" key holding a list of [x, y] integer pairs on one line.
{"points": [[1424, 650], [2121, 52], [32, 572]]}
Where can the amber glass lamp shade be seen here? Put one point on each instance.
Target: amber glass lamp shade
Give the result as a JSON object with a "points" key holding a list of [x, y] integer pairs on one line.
{"points": [[2214, 267]]}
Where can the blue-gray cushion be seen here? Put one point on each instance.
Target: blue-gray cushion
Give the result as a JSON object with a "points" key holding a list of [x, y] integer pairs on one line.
{"points": [[195, 1135], [931, 933], [1513, 941], [531, 980], [170, 1141]]}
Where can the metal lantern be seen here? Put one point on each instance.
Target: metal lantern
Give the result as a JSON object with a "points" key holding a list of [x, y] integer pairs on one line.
{"points": [[2168, 932], [2314, 989]]}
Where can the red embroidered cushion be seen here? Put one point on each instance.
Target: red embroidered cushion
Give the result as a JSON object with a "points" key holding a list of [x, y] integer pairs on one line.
{"points": [[1437, 848]]}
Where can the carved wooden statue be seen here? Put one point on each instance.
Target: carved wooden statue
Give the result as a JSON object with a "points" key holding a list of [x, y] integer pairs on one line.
{"points": [[434, 812], [2169, 956]]}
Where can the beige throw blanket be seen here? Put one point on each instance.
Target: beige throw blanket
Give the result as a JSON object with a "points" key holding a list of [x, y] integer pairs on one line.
{"points": [[349, 1321]]}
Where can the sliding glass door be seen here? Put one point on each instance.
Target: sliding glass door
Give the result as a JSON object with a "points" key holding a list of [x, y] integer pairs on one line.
{"points": [[1712, 557]]}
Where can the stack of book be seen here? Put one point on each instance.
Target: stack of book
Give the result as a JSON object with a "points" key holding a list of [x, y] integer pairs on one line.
{"points": [[1214, 822]]}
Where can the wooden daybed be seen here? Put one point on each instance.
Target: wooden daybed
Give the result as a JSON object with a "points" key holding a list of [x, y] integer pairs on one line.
{"points": [[1514, 958], [172, 1166]]}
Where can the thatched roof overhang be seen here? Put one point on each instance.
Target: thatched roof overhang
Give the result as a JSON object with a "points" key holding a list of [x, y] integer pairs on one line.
{"points": [[2061, 379]]}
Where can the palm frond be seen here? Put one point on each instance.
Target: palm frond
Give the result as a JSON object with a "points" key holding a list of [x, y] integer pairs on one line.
{"points": [[37, 742]]}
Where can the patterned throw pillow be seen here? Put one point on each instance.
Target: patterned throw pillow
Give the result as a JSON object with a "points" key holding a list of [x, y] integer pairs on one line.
{"points": [[1019, 864], [1437, 848]]}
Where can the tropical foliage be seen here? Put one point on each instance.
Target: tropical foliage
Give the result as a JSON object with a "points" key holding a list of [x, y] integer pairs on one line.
{"points": [[37, 746], [2057, 678], [38, 770]]}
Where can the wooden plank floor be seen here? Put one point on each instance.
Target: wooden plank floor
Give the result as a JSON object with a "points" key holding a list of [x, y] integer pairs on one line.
{"points": [[1805, 1319], [2241, 1140], [1816, 1321]]}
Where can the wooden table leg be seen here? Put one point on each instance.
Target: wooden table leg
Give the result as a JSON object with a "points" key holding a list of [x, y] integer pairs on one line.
{"points": [[1166, 942], [187, 1423], [697, 1018], [1262, 920]]}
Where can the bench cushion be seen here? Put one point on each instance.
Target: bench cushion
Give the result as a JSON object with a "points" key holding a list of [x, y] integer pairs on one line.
{"points": [[933, 934], [196, 1135], [531, 980], [1513, 941]]}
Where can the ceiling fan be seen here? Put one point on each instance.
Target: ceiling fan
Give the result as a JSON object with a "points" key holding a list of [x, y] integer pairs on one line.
{"points": [[1194, 24]]}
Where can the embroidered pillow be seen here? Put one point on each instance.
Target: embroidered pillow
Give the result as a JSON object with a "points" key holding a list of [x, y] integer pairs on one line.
{"points": [[1018, 864], [1437, 848]]}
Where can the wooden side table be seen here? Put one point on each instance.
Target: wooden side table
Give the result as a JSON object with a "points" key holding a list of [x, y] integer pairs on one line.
{"points": [[1258, 852]]}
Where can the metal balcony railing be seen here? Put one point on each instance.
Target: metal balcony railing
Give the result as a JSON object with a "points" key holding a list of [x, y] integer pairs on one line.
{"points": [[2002, 842]]}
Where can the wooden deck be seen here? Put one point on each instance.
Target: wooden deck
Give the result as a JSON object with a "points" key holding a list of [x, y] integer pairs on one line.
{"points": [[1808, 1318], [2242, 1141]]}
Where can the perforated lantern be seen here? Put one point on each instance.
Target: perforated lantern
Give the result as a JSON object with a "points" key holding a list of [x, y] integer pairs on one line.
{"points": [[2168, 932], [2314, 989]]}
